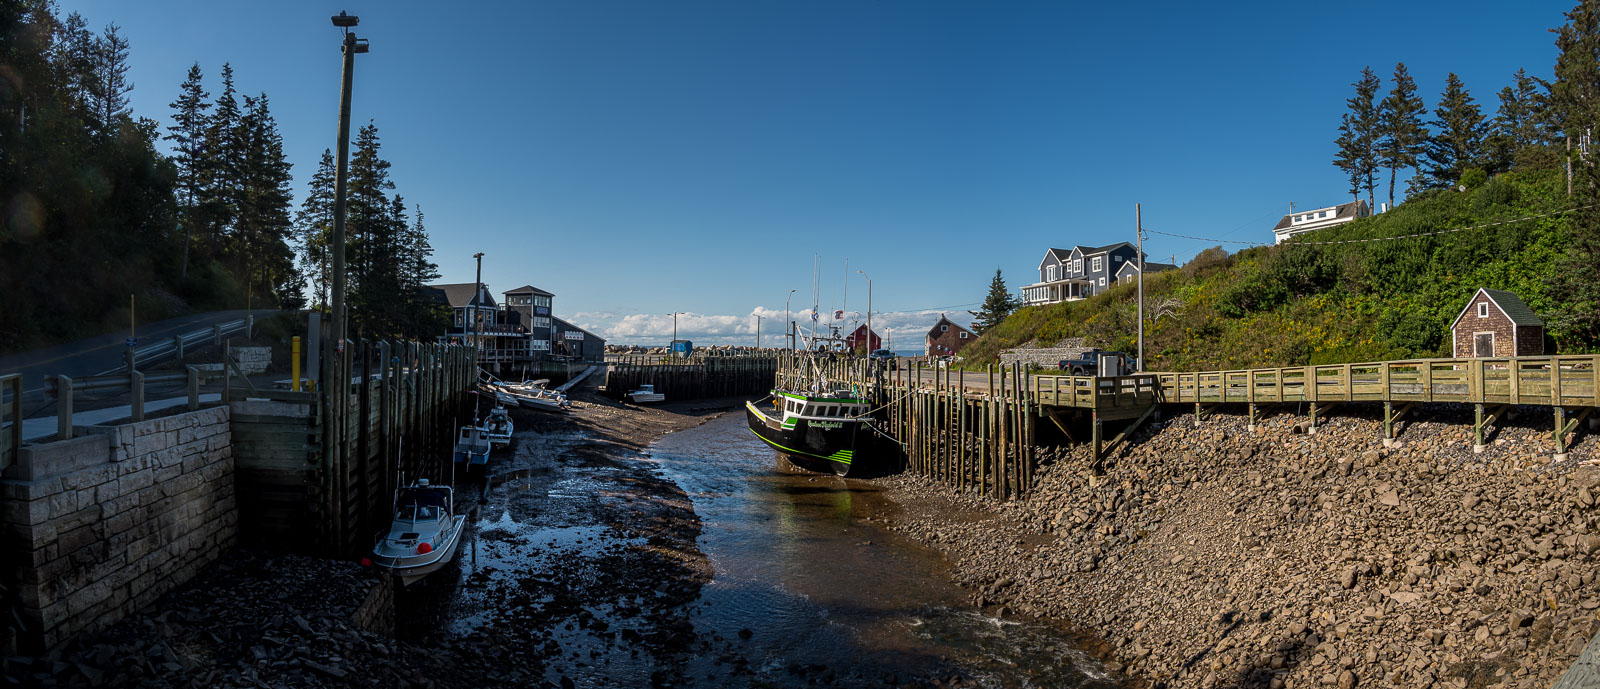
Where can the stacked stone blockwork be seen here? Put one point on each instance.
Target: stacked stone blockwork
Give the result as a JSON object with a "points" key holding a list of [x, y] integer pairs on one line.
{"points": [[100, 525]]}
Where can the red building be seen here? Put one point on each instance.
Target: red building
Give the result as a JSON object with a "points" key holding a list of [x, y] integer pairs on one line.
{"points": [[856, 339]]}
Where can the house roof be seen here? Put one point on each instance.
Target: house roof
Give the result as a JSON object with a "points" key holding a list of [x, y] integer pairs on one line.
{"points": [[528, 289], [934, 331], [1353, 209], [1151, 266], [460, 295], [1092, 250], [858, 332], [1509, 304], [567, 325]]}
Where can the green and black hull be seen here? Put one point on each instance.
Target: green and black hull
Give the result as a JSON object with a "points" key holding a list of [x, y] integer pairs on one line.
{"points": [[847, 447]]}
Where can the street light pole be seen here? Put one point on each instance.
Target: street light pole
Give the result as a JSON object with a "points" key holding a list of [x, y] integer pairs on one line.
{"points": [[788, 320], [758, 331], [869, 310], [476, 303], [1138, 224]]}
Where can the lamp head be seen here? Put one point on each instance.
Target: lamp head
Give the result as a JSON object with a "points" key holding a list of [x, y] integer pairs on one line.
{"points": [[345, 20]]}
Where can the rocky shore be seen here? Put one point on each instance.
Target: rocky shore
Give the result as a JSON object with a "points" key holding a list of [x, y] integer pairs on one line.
{"points": [[1220, 556], [260, 619]]}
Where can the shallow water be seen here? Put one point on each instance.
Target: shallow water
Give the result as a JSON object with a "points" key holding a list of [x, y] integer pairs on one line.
{"points": [[805, 563]]}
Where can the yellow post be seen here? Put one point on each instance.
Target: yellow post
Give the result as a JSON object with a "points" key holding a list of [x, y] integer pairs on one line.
{"points": [[294, 364]]}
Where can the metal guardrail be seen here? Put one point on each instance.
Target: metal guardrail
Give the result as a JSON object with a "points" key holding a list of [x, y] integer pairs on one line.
{"points": [[175, 345]]}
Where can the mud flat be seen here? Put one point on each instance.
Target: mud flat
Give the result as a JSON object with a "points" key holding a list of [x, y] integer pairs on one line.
{"points": [[1219, 556], [553, 582]]}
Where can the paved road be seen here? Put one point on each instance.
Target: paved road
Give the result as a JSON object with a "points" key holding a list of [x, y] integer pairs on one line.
{"points": [[95, 355]]}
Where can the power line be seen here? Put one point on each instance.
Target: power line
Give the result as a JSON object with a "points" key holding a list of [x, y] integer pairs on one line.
{"points": [[1202, 239]]}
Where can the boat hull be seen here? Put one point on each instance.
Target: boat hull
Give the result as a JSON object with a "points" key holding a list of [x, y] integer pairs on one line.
{"points": [[843, 447], [410, 569]]}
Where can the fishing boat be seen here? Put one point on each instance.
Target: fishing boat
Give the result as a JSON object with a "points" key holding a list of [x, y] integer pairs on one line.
{"points": [[424, 536], [646, 394], [499, 426], [824, 430], [472, 446]]}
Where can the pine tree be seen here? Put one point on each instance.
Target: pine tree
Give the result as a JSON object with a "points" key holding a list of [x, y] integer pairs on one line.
{"points": [[314, 228], [263, 228], [996, 306], [111, 86], [1458, 139], [1519, 123], [371, 253], [1401, 132], [219, 201], [188, 134], [75, 61], [1575, 105], [1358, 136]]}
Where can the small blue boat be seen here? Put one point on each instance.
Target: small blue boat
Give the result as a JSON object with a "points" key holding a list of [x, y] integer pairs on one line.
{"points": [[472, 446]]}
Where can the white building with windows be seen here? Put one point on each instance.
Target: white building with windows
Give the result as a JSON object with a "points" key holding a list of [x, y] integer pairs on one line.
{"points": [[1300, 222]]}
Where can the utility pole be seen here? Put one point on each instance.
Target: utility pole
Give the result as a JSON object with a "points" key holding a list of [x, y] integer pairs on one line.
{"points": [[351, 46], [1138, 225], [758, 331], [476, 303]]}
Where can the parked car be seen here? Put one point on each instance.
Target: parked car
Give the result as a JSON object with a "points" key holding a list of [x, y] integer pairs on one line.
{"points": [[885, 357], [1089, 363]]}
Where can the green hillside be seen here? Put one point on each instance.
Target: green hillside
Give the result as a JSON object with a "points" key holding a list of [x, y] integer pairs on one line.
{"points": [[1301, 303]]}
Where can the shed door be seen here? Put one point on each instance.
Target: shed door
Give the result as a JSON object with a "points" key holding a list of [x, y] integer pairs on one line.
{"points": [[1483, 344]]}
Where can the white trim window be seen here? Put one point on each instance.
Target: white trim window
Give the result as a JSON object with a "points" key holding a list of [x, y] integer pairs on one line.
{"points": [[963, 334], [943, 327], [1483, 309], [1050, 273], [1097, 266], [1102, 282], [1076, 268]]}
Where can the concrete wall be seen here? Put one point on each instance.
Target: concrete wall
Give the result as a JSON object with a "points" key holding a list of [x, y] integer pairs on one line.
{"points": [[99, 526], [251, 360]]}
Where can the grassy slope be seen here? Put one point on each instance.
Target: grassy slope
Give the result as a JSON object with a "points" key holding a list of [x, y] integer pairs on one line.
{"points": [[1298, 303]]}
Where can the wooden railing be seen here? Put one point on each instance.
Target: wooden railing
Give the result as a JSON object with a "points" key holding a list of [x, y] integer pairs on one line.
{"points": [[1568, 381], [1093, 392]]}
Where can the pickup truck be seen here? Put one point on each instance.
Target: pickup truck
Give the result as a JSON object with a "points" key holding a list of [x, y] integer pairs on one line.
{"points": [[1088, 364]]}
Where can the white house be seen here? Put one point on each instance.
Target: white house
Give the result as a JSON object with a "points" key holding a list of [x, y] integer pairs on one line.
{"points": [[1300, 222]]}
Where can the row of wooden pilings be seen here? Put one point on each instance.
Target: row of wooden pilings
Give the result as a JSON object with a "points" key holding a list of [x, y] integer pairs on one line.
{"points": [[403, 403], [695, 378], [978, 439]]}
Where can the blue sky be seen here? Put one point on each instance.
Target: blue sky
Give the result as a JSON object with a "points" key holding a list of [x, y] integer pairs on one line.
{"points": [[640, 158]]}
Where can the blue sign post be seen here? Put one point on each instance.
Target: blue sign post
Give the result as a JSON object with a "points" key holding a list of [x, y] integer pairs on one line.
{"points": [[131, 342]]}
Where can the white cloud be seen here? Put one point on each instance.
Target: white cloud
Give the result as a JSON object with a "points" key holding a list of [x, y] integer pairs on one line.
{"points": [[903, 330]]}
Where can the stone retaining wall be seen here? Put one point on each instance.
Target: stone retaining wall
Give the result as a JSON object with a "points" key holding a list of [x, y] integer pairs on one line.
{"points": [[251, 360], [1046, 357], [100, 525]]}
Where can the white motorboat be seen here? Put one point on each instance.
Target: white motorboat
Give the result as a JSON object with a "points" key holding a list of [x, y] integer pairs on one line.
{"points": [[499, 426], [536, 397], [646, 394], [424, 536], [472, 446]]}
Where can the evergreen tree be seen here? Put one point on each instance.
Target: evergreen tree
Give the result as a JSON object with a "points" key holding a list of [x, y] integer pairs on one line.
{"points": [[1575, 105], [419, 251], [111, 86], [996, 306], [314, 227], [1402, 134], [219, 202], [1519, 123], [372, 252], [188, 135], [75, 61], [1458, 140], [1358, 136], [263, 229]]}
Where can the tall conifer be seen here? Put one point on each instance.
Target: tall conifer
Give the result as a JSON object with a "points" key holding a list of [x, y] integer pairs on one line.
{"points": [[997, 305], [1458, 138], [1402, 133], [1575, 105], [1358, 136], [188, 135]]}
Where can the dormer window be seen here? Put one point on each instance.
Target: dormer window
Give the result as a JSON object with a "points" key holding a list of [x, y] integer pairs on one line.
{"points": [[1483, 310], [1050, 273]]}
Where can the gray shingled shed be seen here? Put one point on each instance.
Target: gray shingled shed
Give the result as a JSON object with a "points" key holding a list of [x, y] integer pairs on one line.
{"points": [[1496, 323]]}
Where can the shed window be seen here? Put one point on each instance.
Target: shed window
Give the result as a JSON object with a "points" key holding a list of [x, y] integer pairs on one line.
{"points": [[1483, 310], [943, 328], [963, 335]]}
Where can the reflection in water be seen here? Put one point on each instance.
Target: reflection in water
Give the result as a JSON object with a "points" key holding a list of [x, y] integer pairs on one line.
{"points": [[804, 564]]}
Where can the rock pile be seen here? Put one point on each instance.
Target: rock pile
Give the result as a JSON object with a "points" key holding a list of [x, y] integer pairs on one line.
{"points": [[1219, 556]]}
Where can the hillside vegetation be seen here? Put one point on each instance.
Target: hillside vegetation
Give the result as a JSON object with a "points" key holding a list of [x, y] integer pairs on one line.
{"points": [[1302, 303]]}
